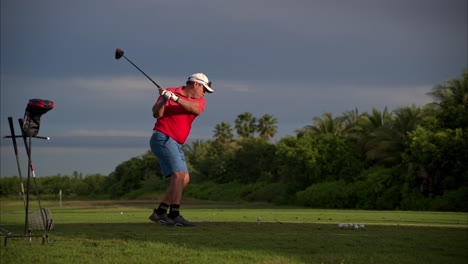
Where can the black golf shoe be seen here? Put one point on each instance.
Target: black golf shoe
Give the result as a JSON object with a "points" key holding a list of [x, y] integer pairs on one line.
{"points": [[180, 221], [161, 219]]}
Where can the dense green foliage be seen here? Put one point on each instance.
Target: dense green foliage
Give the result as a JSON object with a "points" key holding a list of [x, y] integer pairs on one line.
{"points": [[92, 186], [411, 158]]}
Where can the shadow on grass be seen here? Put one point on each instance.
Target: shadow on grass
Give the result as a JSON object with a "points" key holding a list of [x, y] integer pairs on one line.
{"points": [[297, 242], [283, 241], [292, 241]]}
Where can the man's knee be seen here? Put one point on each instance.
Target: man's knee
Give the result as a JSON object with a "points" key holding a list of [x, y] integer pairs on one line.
{"points": [[178, 176]]}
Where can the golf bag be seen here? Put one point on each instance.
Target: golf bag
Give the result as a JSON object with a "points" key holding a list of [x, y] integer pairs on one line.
{"points": [[41, 220], [32, 116]]}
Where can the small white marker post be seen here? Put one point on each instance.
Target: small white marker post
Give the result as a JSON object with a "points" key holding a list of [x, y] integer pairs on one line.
{"points": [[60, 197]]}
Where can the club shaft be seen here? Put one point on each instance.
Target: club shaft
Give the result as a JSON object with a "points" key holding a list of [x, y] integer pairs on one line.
{"points": [[46, 138], [142, 72], [27, 228], [13, 137]]}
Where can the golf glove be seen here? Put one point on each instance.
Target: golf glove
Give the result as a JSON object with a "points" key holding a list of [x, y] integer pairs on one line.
{"points": [[166, 95], [174, 97]]}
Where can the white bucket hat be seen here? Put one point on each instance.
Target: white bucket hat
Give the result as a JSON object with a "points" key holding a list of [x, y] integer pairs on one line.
{"points": [[201, 78]]}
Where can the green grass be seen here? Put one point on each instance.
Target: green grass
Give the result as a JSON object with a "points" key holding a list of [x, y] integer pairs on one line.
{"points": [[119, 232]]}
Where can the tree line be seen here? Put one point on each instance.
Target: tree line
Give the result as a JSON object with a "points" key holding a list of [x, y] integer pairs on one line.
{"points": [[412, 158]]}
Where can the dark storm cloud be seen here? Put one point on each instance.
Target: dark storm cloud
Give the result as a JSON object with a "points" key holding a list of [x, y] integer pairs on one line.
{"points": [[292, 59]]}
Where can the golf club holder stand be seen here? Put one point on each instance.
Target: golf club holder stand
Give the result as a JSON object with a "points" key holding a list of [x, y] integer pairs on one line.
{"points": [[42, 218]]}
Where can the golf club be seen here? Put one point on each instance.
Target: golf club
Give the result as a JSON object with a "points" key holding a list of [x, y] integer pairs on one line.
{"points": [[15, 146], [30, 128], [46, 138], [41, 219], [43, 214], [120, 53]]}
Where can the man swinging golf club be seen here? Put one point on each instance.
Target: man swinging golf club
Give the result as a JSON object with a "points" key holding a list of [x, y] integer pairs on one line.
{"points": [[175, 110]]}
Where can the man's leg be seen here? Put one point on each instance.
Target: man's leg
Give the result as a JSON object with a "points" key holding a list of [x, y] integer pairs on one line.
{"points": [[171, 157], [186, 180], [173, 195], [176, 187], [173, 198], [181, 182]]}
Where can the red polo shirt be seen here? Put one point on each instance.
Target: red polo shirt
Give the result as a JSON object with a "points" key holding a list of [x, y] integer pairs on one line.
{"points": [[176, 122]]}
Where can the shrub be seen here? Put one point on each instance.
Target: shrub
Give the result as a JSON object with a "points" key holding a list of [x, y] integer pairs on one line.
{"points": [[456, 201], [232, 191], [268, 192], [412, 199], [10, 186], [326, 195], [376, 189]]}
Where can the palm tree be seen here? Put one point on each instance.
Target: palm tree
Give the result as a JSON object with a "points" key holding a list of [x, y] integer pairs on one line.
{"points": [[378, 119], [453, 99], [455, 92], [325, 125], [388, 140], [351, 117], [359, 127], [223, 133], [267, 126], [245, 125], [354, 124]]}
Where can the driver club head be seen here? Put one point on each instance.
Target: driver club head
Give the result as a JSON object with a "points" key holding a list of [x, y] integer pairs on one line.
{"points": [[118, 54]]}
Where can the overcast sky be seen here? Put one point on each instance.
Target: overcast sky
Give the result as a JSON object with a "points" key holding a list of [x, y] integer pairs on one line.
{"points": [[291, 59]]}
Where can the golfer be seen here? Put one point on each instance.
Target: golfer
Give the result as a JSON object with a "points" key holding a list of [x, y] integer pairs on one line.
{"points": [[175, 110]]}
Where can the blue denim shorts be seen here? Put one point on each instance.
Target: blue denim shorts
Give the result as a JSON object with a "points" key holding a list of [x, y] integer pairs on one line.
{"points": [[170, 154]]}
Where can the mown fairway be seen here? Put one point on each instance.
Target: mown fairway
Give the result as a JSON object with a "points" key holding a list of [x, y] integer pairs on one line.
{"points": [[119, 232]]}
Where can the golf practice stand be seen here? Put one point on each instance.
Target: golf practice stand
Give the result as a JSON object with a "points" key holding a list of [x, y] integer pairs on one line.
{"points": [[41, 219]]}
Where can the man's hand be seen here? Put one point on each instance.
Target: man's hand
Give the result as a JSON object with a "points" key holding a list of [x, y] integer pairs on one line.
{"points": [[168, 95], [174, 97]]}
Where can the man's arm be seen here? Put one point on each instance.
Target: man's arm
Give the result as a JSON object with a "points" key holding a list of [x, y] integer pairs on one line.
{"points": [[158, 109], [160, 105], [191, 106]]}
